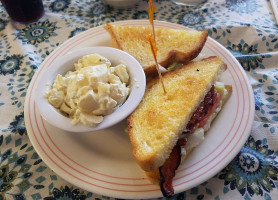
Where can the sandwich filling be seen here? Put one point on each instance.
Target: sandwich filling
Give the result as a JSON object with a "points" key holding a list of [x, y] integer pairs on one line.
{"points": [[192, 136]]}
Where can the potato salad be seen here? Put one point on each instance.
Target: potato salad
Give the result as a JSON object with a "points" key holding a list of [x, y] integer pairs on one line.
{"points": [[93, 90]]}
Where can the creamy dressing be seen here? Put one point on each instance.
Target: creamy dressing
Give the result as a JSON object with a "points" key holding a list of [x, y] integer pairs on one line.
{"points": [[93, 90]]}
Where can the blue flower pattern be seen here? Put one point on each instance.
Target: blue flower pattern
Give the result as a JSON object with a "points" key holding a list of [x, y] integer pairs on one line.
{"points": [[242, 6], [59, 5], [11, 64], [36, 33], [253, 172]]}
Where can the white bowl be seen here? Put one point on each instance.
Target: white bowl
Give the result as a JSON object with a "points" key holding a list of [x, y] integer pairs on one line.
{"points": [[65, 63], [121, 3]]}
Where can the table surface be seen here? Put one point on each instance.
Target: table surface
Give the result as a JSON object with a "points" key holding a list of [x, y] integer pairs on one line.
{"points": [[245, 27]]}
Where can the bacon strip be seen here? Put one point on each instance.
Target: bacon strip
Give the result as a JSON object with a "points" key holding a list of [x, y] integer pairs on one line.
{"points": [[198, 120], [167, 172], [202, 114]]}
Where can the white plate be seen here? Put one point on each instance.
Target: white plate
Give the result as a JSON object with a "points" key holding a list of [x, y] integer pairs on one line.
{"points": [[103, 163]]}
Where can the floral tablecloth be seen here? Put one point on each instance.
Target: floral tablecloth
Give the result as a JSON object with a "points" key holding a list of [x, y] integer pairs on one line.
{"points": [[245, 27]]}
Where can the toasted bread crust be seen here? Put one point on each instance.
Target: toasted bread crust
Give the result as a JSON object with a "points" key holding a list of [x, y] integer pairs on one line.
{"points": [[154, 127], [173, 45]]}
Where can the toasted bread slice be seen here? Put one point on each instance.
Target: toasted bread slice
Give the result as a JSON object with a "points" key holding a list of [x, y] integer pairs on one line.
{"points": [[173, 45], [155, 126]]}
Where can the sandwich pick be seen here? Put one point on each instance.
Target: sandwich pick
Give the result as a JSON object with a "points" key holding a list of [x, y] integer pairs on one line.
{"points": [[152, 42]]}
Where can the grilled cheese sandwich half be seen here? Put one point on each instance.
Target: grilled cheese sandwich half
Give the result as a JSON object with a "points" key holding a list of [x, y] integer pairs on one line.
{"points": [[174, 46], [165, 128]]}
